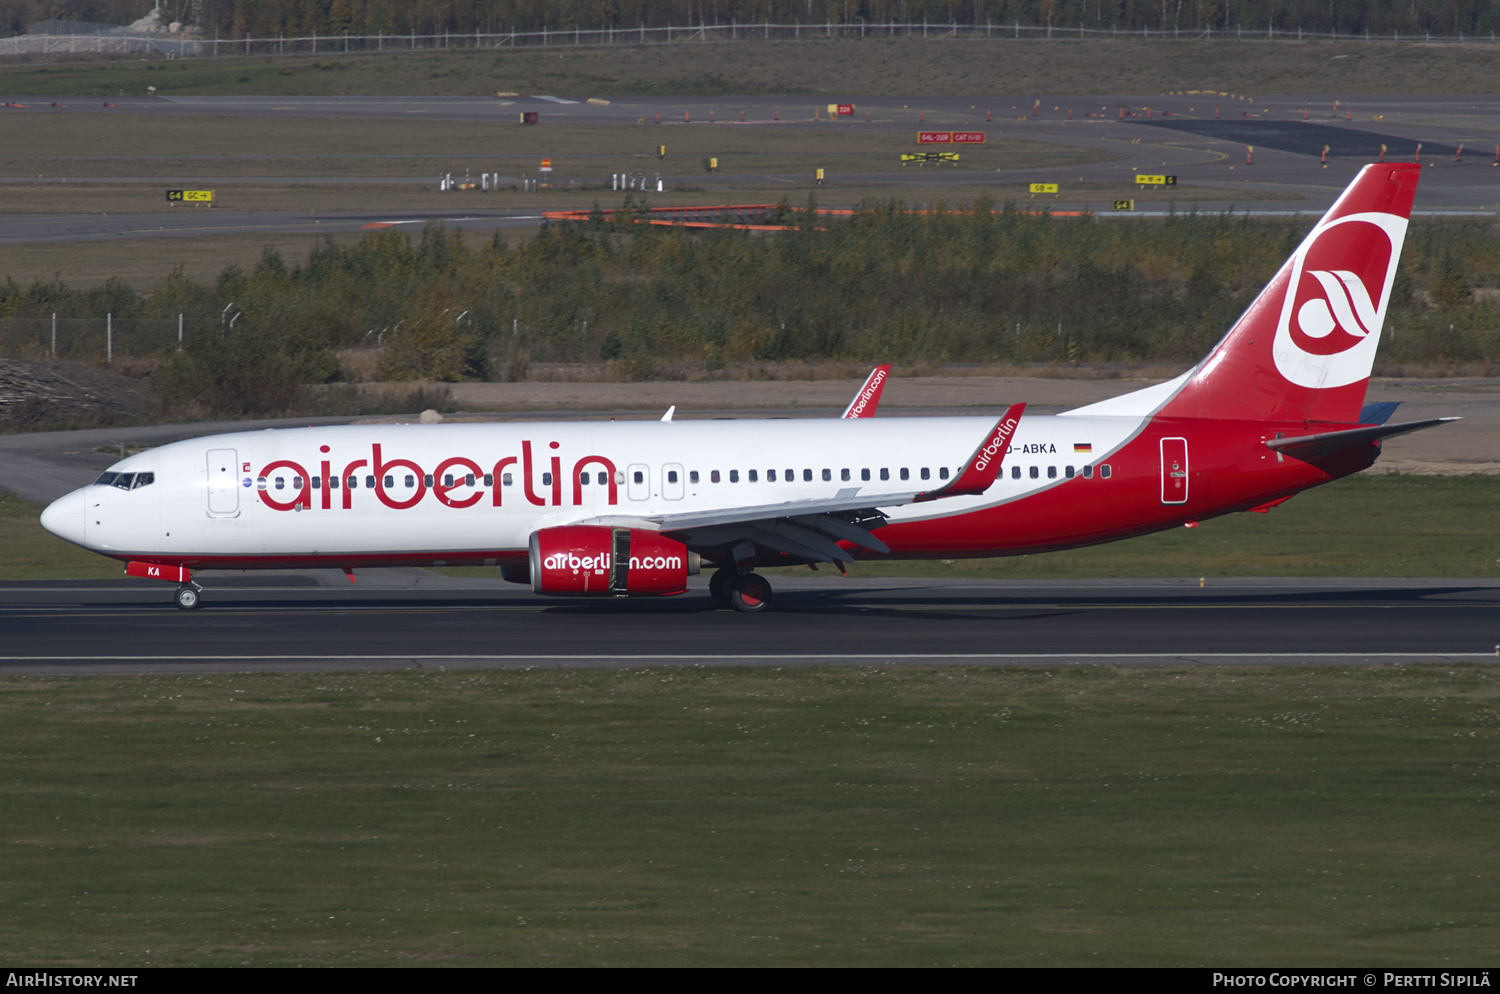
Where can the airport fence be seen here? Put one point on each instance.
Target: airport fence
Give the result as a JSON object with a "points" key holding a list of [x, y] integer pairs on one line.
{"points": [[95, 340], [178, 46]]}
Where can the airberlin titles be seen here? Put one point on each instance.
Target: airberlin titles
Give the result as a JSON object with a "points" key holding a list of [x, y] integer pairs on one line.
{"points": [[471, 478], [467, 476]]}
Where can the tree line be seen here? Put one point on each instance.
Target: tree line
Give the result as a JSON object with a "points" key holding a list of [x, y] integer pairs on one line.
{"points": [[989, 284], [269, 18]]}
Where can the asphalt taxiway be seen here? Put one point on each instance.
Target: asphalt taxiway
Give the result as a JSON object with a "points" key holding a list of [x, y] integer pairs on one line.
{"points": [[1227, 152]]}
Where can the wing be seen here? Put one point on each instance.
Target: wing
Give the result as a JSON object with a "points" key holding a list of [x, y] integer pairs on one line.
{"points": [[810, 530]]}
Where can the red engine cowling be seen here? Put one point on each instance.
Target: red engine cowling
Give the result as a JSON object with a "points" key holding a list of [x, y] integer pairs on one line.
{"points": [[599, 561]]}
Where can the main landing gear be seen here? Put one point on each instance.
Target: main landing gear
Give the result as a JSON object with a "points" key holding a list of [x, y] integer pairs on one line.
{"points": [[187, 596], [748, 592]]}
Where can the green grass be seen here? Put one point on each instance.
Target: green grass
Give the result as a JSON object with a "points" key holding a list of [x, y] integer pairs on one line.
{"points": [[1085, 816]]}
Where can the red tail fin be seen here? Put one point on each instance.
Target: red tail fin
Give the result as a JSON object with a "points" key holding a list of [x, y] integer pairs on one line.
{"points": [[1303, 351]]}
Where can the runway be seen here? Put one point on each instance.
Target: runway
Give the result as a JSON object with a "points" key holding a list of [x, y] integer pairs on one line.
{"points": [[415, 619]]}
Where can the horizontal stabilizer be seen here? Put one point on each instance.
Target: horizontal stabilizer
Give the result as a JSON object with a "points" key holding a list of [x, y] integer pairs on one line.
{"points": [[1308, 447]]}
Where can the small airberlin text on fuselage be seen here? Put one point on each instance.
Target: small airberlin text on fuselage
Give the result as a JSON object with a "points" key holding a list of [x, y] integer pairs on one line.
{"points": [[468, 478]]}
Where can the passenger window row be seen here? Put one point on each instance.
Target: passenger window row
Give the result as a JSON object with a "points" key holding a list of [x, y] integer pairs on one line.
{"points": [[129, 481], [1035, 472]]}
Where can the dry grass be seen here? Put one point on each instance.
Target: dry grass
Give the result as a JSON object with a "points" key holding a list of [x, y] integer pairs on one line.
{"points": [[875, 67]]}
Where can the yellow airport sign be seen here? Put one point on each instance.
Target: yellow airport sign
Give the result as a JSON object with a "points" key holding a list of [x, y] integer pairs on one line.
{"points": [[1155, 180], [1044, 188], [190, 196], [1124, 205]]}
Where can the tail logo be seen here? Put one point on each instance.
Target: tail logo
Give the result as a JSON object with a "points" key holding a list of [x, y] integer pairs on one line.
{"points": [[1330, 322]]}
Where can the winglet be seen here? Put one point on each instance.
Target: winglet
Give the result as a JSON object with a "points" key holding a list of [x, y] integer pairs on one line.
{"points": [[984, 465], [868, 396]]}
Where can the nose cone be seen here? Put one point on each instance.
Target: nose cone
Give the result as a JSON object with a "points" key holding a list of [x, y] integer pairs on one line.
{"points": [[67, 517]]}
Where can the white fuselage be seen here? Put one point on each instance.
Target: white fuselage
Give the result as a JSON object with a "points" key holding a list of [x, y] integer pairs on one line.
{"points": [[468, 489]]}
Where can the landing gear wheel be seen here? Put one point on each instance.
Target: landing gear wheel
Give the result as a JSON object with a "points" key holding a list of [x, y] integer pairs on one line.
{"points": [[718, 586], [749, 593], [187, 597]]}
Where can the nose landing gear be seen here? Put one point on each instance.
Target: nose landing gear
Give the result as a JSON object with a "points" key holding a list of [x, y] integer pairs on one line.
{"points": [[187, 596]]}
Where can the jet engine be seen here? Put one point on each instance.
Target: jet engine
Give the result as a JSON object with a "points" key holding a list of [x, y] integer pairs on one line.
{"points": [[599, 561]]}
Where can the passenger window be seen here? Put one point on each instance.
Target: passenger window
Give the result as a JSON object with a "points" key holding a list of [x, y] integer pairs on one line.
{"points": [[671, 476], [1088, 472], [752, 476], [469, 479], [1034, 473], [905, 473], [583, 479], [692, 476], [827, 476], [1104, 471], [770, 476], [1068, 472], [390, 481], [370, 482], [260, 483], [333, 483], [734, 476], [547, 479], [352, 483], [411, 481], [317, 483], [1015, 472], [1051, 472], [489, 479], [507, 480], [807, 476], [448, 479], [844, 475], [426, 479], [885, 473], [296, 483], [864, 474], [942, 472], [280, 483], [926, 473], [713, 477]]}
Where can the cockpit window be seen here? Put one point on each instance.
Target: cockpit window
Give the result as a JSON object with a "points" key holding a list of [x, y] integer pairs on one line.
{"points": [[126, 481]]}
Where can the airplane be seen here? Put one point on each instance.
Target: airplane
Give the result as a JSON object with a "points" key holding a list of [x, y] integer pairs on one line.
{"points": [[633, 508]]}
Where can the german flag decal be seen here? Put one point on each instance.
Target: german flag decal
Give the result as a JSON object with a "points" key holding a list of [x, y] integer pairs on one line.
{"points": [[1083, 447]]}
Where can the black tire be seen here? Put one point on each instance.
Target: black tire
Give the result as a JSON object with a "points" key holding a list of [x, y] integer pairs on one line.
{"points": [[187, 598], [718, 586], [750, 593]]}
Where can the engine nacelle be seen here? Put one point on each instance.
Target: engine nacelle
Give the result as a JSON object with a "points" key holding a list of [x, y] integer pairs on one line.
{"points": [[599, 561]]}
